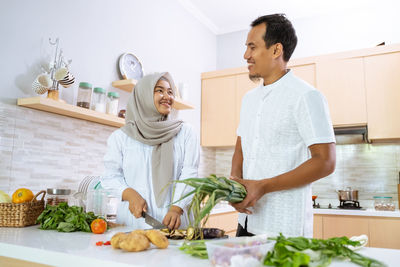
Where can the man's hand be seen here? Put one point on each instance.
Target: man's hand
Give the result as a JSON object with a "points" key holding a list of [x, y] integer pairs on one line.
{"points": [[136, 202], [173, 218], [254, 190]]}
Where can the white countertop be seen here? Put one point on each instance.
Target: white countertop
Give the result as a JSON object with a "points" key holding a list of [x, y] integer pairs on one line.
{"points": [[367, 212], [79, 249]]}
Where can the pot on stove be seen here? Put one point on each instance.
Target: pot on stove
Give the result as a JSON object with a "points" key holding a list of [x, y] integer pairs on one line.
{"points": [[348, 194]]}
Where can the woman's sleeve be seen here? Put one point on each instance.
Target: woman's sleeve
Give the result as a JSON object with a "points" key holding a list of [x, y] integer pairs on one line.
{"points": [[189, 168], [113, 178]]}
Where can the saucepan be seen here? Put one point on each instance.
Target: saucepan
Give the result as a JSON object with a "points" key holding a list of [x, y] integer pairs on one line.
{"points": [[348, 194]]}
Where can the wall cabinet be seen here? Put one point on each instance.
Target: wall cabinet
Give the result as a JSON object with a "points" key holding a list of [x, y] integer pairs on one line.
{"points": [[382, 82], [383, 232], [221, 98], [226, 221], [361, 87]]}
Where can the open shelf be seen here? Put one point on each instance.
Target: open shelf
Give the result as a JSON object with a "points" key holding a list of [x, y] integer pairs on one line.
{"points": [[129, 84], [53, 106]]}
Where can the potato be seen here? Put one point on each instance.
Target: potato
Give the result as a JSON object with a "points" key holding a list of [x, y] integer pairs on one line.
{"points": [[117, 238], [134, 242], [157, 238]]}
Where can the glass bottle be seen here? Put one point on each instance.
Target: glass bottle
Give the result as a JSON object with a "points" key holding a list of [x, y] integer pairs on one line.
{"points": [[99, 99], [112, 103], [84, 95]]}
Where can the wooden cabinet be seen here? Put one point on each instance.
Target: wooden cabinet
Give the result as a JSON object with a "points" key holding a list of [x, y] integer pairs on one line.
{"points": [[305, 72], [226, 221], [382, 82], [382, 232], [221, 98], [341, 81]]}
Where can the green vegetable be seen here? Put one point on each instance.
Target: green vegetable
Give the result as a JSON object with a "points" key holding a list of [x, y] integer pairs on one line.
{"points": [[301, 251], [210, 191], [64, 218], [196, 248]]}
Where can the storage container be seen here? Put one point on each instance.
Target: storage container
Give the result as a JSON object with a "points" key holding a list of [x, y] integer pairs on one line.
{"points": [[84, 95], [99, 100], [238, 251], [384, 203], [57, 196], [112, 103]]}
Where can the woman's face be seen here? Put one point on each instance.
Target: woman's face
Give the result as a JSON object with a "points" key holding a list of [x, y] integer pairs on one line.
{"points": [[163, 97]]}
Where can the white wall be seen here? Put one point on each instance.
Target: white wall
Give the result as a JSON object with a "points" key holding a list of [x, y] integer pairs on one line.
{"points": [[94, 33], [356, 29]]}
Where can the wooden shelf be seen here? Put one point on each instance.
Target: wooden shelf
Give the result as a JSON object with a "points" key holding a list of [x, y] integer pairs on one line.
{"points": [[53, 106], [129, 84]]}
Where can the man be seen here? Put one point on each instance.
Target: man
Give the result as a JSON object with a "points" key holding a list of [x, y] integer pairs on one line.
{"points": [[285, 137]]}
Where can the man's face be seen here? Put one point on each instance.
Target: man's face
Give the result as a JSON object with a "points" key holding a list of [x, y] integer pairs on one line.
{"points": [[258, 57], [163, 97]]}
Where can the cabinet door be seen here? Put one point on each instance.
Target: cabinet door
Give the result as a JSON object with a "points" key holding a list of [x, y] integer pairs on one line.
{"points": [[317, 233], [243, 85], [382, 81], [305, 72], [218, 120], [226, 221], [384, 233], [336, 226], [342, 83]]}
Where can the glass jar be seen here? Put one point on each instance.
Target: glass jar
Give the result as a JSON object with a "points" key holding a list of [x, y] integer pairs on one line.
{"points": [[112, 103], [84, 95], [57, 196], [384, 203], [99, 99]]}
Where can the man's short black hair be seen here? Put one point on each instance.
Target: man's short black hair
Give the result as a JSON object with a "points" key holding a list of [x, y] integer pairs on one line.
{"points": [[279, 30]]}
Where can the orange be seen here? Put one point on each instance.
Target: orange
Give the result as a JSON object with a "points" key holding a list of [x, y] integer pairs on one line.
{"points": [[22, 195], [98, 226]]}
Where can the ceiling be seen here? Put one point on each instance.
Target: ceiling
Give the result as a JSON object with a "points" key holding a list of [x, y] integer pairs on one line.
{"points": [[224, 16]]}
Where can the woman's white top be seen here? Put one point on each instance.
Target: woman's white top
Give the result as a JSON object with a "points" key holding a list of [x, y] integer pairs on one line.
{"points": [[128, 164], [278, 123]]}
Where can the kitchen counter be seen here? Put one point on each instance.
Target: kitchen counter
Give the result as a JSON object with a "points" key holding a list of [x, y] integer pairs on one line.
{"points": [[367, 212], [79, 249]]}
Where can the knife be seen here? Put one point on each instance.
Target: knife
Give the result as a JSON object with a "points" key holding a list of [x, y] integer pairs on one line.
{"points": [[152, 221]]}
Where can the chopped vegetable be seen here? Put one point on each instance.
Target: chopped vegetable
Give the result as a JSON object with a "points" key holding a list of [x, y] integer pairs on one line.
{"points": [[100, 243], [301, 251], [107, 243], [196, 248], [210, 191], [64, 218]]}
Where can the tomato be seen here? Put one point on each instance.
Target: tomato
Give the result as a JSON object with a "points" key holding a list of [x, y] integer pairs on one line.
{"points": [[22, 195], [98, 226]]}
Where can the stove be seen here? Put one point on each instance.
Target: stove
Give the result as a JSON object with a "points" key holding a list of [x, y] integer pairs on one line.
{"points": [[348, 205]]}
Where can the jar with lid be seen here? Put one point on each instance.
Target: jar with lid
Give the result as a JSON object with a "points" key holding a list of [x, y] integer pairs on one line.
{"points": [[57, 196], [99, 99], [84, 95], [112, 103], [384, 203]]}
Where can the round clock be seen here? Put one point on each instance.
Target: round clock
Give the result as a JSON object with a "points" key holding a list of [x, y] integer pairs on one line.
{"points": [[130, 66]]}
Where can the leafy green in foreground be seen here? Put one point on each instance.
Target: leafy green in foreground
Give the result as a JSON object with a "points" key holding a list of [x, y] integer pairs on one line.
{"points": [[196, 248], [64, 218], [301, 251]]}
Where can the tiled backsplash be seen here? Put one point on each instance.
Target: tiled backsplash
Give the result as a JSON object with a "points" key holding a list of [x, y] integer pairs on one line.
{"points": [[41, 150], [372, 169]]}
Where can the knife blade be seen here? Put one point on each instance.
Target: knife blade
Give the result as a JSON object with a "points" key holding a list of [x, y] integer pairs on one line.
{"points": [[152, 221]]}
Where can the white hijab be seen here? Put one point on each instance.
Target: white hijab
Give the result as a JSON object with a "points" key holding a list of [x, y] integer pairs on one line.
{"points": [[145, 124]]}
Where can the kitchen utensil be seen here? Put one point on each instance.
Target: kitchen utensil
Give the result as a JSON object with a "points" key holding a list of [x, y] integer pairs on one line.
{"points": [[152, 221], [41, 84], [348, 194]]}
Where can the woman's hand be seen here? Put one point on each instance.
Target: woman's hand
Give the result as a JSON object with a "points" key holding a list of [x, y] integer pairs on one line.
{"points": [[136, 203], [173, 218]]}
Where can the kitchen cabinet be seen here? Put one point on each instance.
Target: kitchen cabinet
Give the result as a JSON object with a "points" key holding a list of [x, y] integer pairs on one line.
{"points": [[383, 232], [341, 81], [382, 82], [221, 98], [305, 72], [226, 221]]}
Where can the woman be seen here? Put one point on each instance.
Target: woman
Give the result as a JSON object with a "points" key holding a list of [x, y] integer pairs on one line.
{"points": [[149, 152]]}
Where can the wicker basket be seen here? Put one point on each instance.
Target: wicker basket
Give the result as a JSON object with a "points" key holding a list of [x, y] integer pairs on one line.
{"points": [[22, 214]]}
